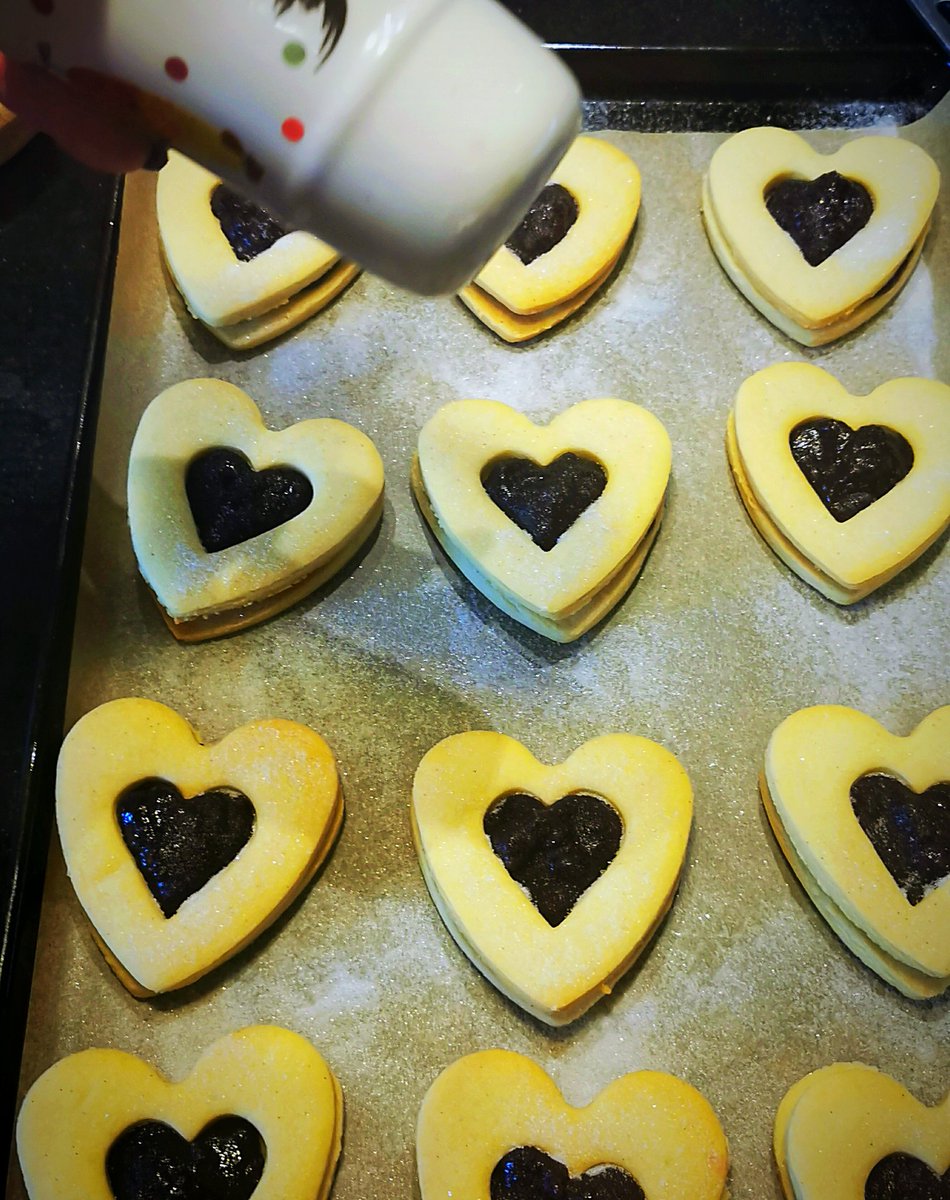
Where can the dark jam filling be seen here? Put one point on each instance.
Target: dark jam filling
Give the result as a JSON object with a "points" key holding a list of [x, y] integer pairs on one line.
{"points": [[849, 468], [527, 1173], [545, 224], [544, 501], [250, 230], [231, 502], [904, 1177], [820, 215], [554, 851], [178, 844], [152, 1161], [910, 831]]}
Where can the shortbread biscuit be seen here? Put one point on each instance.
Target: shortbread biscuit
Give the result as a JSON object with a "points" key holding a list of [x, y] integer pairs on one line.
{"points": [[231, 522], [847, 490], [556, 922], [818, 243], [180, 853], [850, 1132], [863, 818], [260, 1112], [565, 248], [496, 1116], [239, 272], [552, 523]]}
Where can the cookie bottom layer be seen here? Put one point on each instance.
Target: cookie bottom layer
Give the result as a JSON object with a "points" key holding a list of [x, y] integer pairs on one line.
{"points": [[789, 553], [794, 324], [202, 627], [521, 327], [132, 985], [566, 627], [254, 331], [899, 975]]}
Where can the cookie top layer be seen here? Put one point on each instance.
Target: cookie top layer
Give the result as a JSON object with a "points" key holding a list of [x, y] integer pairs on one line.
{"points": [[605, 186], [270, 1077], [464, 438], [656, 1128], [880, 538], [340, 463], [901, 179], [813, 759]]}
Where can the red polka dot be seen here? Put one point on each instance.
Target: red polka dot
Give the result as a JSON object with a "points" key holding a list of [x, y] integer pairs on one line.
{"points": [[176, 68], [43, 6], [292, 129]]}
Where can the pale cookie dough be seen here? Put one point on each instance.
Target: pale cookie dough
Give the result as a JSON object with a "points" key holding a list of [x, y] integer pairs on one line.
{"points": [[815, 304], [242, 303], [658, 1129], [812, 761], [834, 1126], [203, 594], [267, 1076], [844, 560], [556, 972], [284, 769], [519, 300], [564, 591]]}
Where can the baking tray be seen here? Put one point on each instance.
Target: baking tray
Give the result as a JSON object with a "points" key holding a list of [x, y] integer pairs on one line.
{"points": [[745, 989]]}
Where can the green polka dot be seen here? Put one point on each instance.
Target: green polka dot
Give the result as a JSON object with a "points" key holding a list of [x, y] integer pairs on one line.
{"points": [[294, 54]]}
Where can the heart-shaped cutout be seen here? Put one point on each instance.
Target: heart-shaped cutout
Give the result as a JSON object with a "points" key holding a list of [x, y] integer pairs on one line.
{"points": [[555, 971], [565, 590], [282, 511], [850, 1130], [104, 1125], [545, 501], [819, 215], [649, 1132], [179, 845], [814, 761], [816, 304], [239, 272], [565, 247], [285, 771], [892, 502], [555, 851], [225, 1160]]}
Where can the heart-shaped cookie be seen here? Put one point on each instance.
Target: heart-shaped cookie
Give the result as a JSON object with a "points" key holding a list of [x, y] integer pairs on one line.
{"points": [[260, 1115], [146, 853], [565, 247], [554, 544], [863, 817], [492, 1122], [847, 490], [232, 522], [240, 273], [552, 879], [818, 243], [850, 1132]]}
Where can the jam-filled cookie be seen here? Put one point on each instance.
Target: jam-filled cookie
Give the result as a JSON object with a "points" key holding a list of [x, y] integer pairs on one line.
{"points": [[818, 243], [552, 523], [850, 1132], [565, 247], [552, 879], [182, 853], [260, 1114], [494, 1126], [863, 818], [245, 277], [847, 490], [232, 522]]}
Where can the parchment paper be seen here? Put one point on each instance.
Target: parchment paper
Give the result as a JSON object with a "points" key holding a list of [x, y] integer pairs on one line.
{"points": [[745, 988]]}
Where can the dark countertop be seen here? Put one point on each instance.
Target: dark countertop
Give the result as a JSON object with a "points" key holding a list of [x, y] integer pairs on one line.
{"points": [[649, 65]]}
